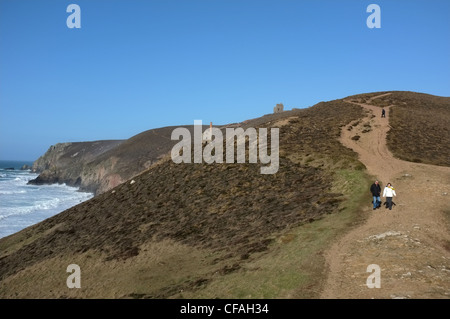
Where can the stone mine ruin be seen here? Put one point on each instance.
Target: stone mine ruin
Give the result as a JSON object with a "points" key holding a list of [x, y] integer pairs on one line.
{"points": [[278, 108]]}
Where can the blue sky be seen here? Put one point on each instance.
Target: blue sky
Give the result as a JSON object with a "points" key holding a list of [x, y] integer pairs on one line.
{"points": [[136, 65]]}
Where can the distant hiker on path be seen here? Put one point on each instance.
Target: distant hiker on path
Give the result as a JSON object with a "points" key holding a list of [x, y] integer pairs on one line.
{"points": [[375, 189], [383, 113], [389, 192]]}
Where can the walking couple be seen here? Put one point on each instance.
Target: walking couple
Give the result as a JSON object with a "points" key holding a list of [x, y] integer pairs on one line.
{"points": [[388, 192]]}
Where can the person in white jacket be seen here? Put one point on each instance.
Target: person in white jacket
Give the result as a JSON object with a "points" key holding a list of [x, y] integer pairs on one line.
{"points": [[389, 192]]}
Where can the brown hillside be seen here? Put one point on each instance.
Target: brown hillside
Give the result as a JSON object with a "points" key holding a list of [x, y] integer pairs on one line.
{"points": [[420, 126], [227, 215], [227, 231]]}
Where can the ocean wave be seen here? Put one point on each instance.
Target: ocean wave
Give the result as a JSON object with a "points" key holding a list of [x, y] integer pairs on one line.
{"points": [[12, 192], [23, 178], [51, 205], [23, 205]]}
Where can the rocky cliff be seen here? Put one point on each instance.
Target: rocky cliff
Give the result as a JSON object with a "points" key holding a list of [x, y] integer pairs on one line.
{"points": [[101, 165], [65, 162]]}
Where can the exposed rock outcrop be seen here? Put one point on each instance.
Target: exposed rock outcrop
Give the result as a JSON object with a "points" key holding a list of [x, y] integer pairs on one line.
{"points": [[101, 165], [66, 162]]}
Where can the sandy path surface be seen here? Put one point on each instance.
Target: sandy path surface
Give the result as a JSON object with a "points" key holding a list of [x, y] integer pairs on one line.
{"points": [[410, 243]]}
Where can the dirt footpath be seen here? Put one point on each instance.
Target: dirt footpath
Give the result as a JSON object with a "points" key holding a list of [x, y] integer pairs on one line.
{"points": [[410, 243]]}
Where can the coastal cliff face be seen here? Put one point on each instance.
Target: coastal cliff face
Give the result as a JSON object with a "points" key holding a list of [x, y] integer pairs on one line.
{"points": [[65, 162], [101, 165]]}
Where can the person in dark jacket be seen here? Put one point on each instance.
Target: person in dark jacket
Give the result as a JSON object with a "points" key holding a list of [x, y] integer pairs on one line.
{"points": [[375, 189], [383, 113]]}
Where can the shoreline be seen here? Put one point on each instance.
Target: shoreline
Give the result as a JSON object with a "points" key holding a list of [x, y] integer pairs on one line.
{"points": [[25, 205]]}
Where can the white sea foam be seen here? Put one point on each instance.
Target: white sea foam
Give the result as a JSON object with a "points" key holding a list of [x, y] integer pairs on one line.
{"points": [[23, 205], [12, 192]]}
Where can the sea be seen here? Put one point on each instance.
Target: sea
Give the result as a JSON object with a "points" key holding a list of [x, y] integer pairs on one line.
{"points": [[23, 205]]}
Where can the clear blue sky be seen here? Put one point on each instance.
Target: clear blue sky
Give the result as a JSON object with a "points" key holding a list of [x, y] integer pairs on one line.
{"points": [[136, 65]]}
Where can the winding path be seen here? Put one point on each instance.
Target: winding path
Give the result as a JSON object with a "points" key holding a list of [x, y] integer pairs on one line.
{"points": [[411, 243]]}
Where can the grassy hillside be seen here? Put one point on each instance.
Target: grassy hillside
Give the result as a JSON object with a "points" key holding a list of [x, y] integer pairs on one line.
{"points": [[204, 230], [222, 230]]}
